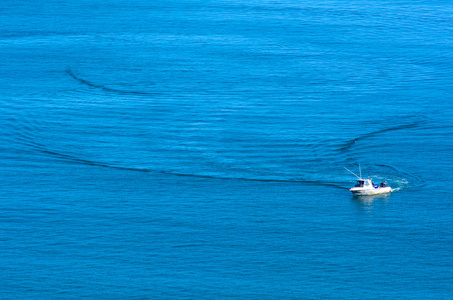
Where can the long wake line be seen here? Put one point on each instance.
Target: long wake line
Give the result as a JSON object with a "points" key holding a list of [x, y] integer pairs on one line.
{"points": [[76, 160]]}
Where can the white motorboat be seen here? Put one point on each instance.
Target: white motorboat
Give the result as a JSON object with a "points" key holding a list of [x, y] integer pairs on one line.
{"points": [[366, 186]]}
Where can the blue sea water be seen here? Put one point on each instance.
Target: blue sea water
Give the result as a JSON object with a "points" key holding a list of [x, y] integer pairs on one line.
{"points": [[187, 149]]}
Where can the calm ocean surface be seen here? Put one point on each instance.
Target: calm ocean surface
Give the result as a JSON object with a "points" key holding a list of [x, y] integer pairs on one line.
{"points": [[190, 149]]}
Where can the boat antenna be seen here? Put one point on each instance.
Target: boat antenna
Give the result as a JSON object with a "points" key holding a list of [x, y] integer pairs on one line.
{"points": [[353, 173]]}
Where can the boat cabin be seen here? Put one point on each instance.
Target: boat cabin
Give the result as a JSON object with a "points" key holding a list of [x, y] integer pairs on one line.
{"points": [[364, 183]]}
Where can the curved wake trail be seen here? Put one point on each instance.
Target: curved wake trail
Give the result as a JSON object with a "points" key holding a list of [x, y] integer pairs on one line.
{"points": [[105, 88], [347, 145], [73, 159]]}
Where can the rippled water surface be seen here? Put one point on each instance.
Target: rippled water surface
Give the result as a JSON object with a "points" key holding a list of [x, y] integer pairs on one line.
{"points": [[196, 149]]}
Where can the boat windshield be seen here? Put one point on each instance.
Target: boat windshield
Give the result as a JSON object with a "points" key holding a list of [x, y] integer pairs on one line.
{"points": [[359, 183]]}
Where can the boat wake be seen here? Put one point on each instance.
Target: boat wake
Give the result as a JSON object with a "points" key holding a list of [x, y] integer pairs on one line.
{"points": [[215, 140], [350, 143], [105, 88], [73, 159], [321, 175]]}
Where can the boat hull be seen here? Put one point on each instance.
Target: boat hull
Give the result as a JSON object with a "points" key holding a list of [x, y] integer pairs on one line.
{"points": [[359, 191]]}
